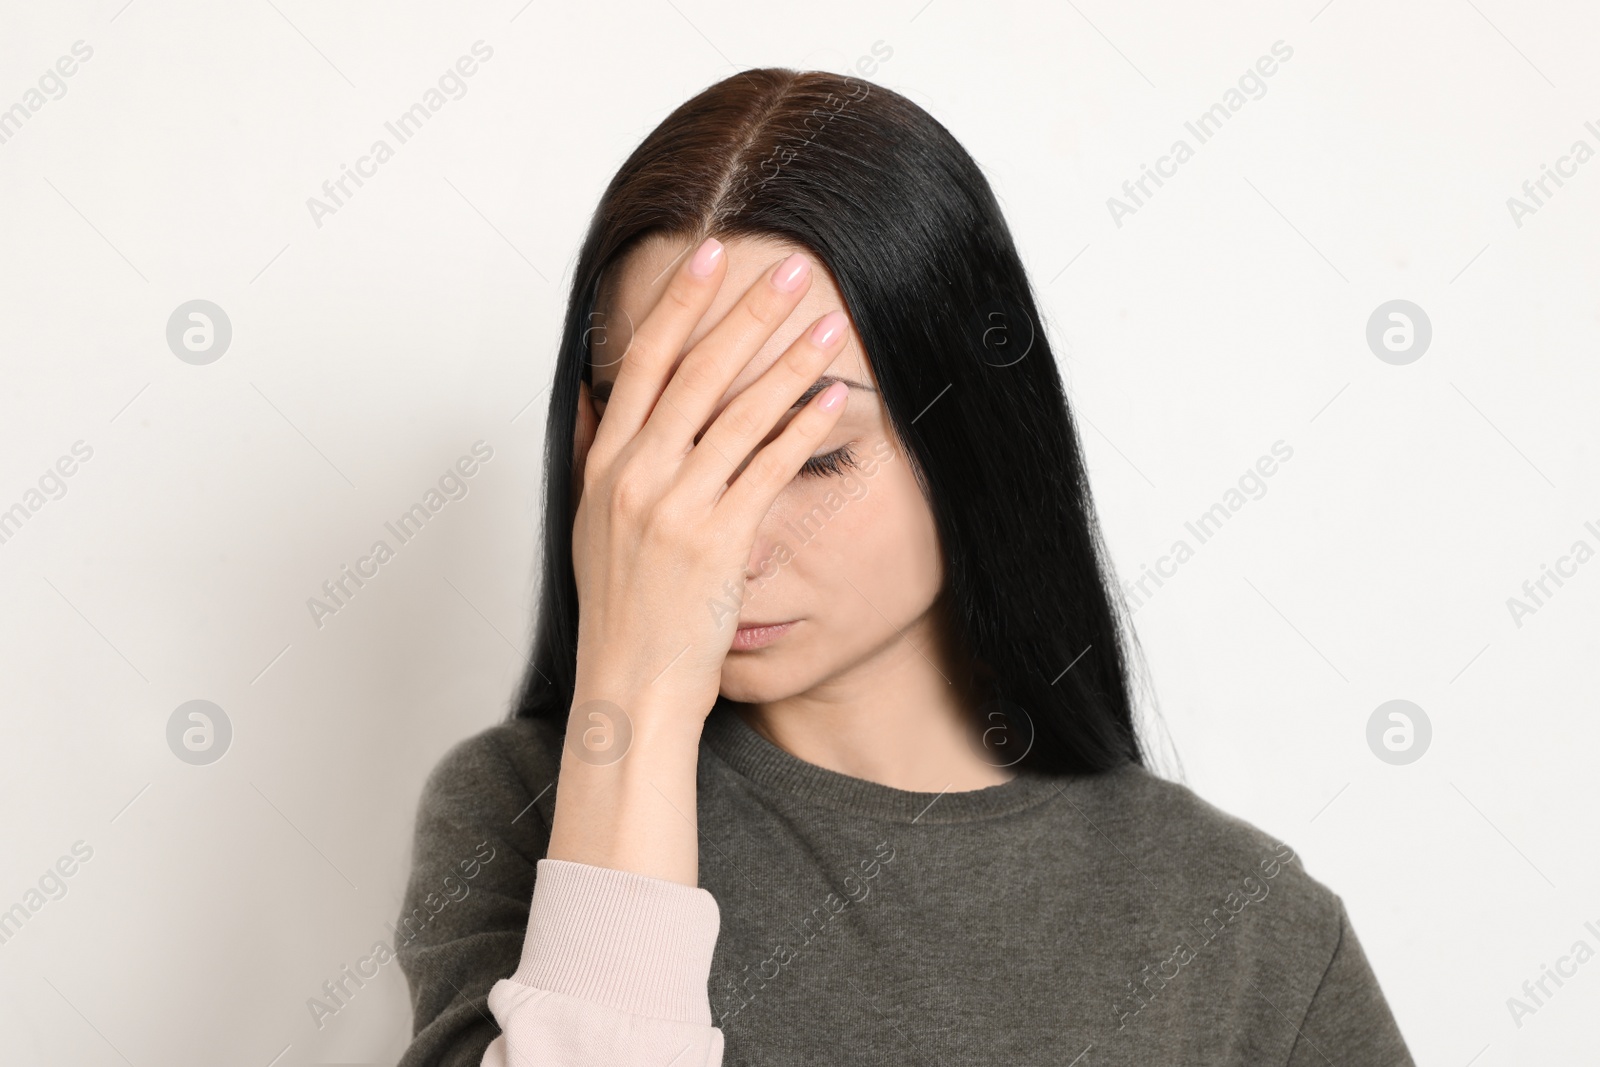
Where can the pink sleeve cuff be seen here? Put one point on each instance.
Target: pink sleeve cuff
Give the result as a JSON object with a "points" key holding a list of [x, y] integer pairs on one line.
{"points": [[631, 942]]}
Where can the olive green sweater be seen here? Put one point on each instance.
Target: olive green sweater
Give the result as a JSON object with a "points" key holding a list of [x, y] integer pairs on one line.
{"points": [[1087, 921]]}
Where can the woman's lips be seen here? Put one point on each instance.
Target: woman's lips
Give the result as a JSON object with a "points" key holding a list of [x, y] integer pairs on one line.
{"points": [[755, 636]]}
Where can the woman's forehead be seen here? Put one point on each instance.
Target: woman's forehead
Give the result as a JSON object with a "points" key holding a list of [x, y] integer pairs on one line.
{"points": [[633, 285]]}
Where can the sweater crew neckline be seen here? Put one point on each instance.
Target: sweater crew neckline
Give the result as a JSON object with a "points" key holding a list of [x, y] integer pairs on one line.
{"points": [[776, 771]]}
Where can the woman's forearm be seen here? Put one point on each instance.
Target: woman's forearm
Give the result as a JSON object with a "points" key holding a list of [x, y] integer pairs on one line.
{"points": [[633, 809]]}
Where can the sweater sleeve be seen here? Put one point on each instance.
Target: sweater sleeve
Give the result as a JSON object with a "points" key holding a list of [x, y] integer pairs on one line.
{"points": [[478, 835], [1348, 1021], [613, 970], [514, 960]]}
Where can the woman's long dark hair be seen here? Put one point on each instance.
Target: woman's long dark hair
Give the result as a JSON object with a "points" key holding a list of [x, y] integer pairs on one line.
{"points": [[881, 193]]}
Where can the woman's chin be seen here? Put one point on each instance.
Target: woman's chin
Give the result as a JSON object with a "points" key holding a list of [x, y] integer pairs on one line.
{"points": [[759, 679]]}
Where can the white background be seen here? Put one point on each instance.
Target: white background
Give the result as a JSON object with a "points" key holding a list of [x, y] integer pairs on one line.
{"points": [[370, 352]]}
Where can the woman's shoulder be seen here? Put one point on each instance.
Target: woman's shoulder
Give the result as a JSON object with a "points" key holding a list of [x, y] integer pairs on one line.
{"points": [[1197, 889], [513, 762], [1145, 802], [1171, 838]]}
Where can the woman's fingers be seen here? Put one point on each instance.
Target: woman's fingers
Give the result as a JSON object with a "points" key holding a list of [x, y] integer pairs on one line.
{"points": [[706, 372], [751, 416], [656, 344], [775, 465], [750, 496]]}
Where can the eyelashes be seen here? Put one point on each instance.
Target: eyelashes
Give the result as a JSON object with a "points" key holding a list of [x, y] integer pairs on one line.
{"points": [[829, 463]]}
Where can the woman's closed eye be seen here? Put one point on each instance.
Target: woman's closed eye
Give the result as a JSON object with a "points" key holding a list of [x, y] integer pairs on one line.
{"points": [[829, 463]]}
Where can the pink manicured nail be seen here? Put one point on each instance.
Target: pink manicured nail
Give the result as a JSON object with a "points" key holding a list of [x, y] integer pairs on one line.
{"points": [[790, 273], [827, 328], [832, 396], [705, 257]]}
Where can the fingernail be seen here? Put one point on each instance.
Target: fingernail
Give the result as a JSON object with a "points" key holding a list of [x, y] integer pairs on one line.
{"points": [[705, 257], [832, 396], [827, 328], [791, 272]]}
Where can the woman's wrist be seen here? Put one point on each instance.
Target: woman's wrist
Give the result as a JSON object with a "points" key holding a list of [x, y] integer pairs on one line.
{"points": [[626, 793]]}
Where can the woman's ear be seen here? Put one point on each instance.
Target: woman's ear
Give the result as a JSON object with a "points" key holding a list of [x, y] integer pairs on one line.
{"points": [[583, 432]]}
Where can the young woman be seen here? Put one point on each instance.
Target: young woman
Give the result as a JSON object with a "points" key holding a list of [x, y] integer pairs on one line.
{"points": [[826, 752]]}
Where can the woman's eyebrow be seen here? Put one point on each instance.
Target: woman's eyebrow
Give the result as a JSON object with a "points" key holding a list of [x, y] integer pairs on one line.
{"points": [[822, 383]]}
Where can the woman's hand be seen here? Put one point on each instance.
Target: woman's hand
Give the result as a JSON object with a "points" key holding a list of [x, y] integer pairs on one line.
{"points": [[665, 525], [664, 530]]}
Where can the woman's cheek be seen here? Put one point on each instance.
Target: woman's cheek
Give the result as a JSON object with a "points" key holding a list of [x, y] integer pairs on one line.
{"points": [[890, 547]]}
